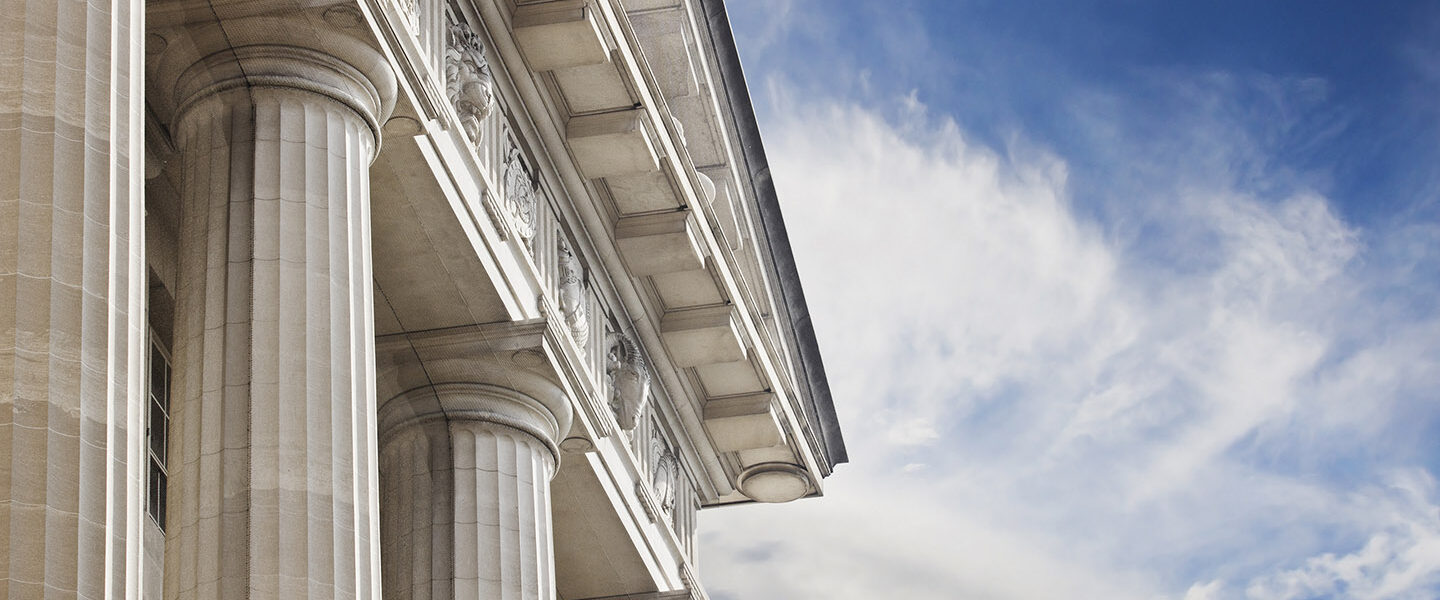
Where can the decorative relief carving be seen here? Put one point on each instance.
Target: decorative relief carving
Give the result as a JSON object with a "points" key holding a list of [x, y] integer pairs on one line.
{"points": [[520, 195], [664, 471], [411, 8], [573, 306], [468, 82], [629, 380]]}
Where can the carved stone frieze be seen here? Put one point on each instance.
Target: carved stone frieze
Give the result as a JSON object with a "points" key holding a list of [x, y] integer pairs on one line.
{"points": [[468, 82], [571, 292], [629, 380]]}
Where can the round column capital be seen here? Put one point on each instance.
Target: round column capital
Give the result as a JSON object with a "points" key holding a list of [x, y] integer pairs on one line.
{"points": [[473, 402], [492, 389], [237, 75]]}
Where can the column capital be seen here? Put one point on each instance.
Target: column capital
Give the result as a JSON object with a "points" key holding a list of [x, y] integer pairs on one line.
{"points": [[505, 388], [499, 356], [258, 47], [238, 74], [474, 402]]}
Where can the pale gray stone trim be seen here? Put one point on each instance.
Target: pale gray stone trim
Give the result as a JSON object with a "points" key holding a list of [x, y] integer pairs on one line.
{"points": [[821, 407]]}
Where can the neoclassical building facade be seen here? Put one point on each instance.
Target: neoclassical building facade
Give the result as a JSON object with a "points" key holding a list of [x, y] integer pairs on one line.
{"points": [[400, 299]]}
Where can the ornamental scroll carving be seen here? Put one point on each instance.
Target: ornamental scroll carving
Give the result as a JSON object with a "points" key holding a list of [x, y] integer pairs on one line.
{"points": [[629, 380], [520, 195], [468, 82], [571, 291]]}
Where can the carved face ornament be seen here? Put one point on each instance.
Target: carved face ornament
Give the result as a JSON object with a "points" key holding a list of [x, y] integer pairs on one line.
{"points": [[468, 82]]}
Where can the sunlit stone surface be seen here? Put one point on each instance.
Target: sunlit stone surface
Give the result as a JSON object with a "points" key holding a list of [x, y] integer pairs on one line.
{"points": [[402, 298]]}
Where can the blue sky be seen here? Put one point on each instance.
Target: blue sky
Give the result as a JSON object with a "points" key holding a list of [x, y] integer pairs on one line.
{"points": [[1119, 299]]}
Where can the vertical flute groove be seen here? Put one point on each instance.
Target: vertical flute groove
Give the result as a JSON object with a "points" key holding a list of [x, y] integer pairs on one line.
{"points": [[71, 317], [496, 540]]}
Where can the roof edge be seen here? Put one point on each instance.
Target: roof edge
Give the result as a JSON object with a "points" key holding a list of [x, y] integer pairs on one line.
{"points": [[742, 113]]}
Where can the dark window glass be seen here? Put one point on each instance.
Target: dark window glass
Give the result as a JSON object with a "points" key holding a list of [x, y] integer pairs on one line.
{"points": [[158, 364], [156, 496], [157, 432]]}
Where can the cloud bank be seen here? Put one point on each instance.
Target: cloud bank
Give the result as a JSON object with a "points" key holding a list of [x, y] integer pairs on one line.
{"points": [[1213, 386]]}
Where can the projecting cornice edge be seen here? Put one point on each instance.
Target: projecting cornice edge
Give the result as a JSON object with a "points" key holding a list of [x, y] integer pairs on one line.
{"points": [[812, 369]]}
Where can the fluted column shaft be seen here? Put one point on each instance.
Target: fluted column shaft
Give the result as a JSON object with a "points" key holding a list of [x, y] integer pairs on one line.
{"points": [[466, 471], [72, 285], [273, 455]]}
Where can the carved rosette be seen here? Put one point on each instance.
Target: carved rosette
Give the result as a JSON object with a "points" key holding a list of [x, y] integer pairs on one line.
{"points": [[468, 82], [572, 294], [629, 380], [520, 196]]}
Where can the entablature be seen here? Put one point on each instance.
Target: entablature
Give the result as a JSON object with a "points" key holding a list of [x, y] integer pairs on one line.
{"points": [[617, 231]]}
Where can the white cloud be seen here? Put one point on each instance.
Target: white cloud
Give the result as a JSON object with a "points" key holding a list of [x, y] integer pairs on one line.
{"points": [[1038, 408], [1401, 560], [898, 540], [1207, 591]]}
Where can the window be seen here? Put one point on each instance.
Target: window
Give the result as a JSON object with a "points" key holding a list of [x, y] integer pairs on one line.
{"points": [[157, 431]]}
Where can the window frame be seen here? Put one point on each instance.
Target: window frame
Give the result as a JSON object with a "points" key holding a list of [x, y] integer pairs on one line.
{"points": [[157, 463]]}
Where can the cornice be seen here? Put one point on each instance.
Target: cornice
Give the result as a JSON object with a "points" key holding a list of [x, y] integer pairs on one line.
{"points": [[757, 169]]}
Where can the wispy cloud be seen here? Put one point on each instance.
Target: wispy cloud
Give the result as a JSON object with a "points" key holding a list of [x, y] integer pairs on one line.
{"points": [[1401, 559], [1045, 404]]}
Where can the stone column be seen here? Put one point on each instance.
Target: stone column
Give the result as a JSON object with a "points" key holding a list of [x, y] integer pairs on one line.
{"points": [[72, 290], [465, 469], [273, 477]]}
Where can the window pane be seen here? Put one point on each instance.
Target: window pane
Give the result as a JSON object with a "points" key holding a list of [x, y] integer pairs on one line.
{"points": [[157, 431], [163, 393], [160, 508], [155, 504], [157, 369]]}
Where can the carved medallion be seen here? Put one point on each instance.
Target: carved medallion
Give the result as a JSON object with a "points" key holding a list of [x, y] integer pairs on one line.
{"points": [[520, 195], [468, 83]]}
